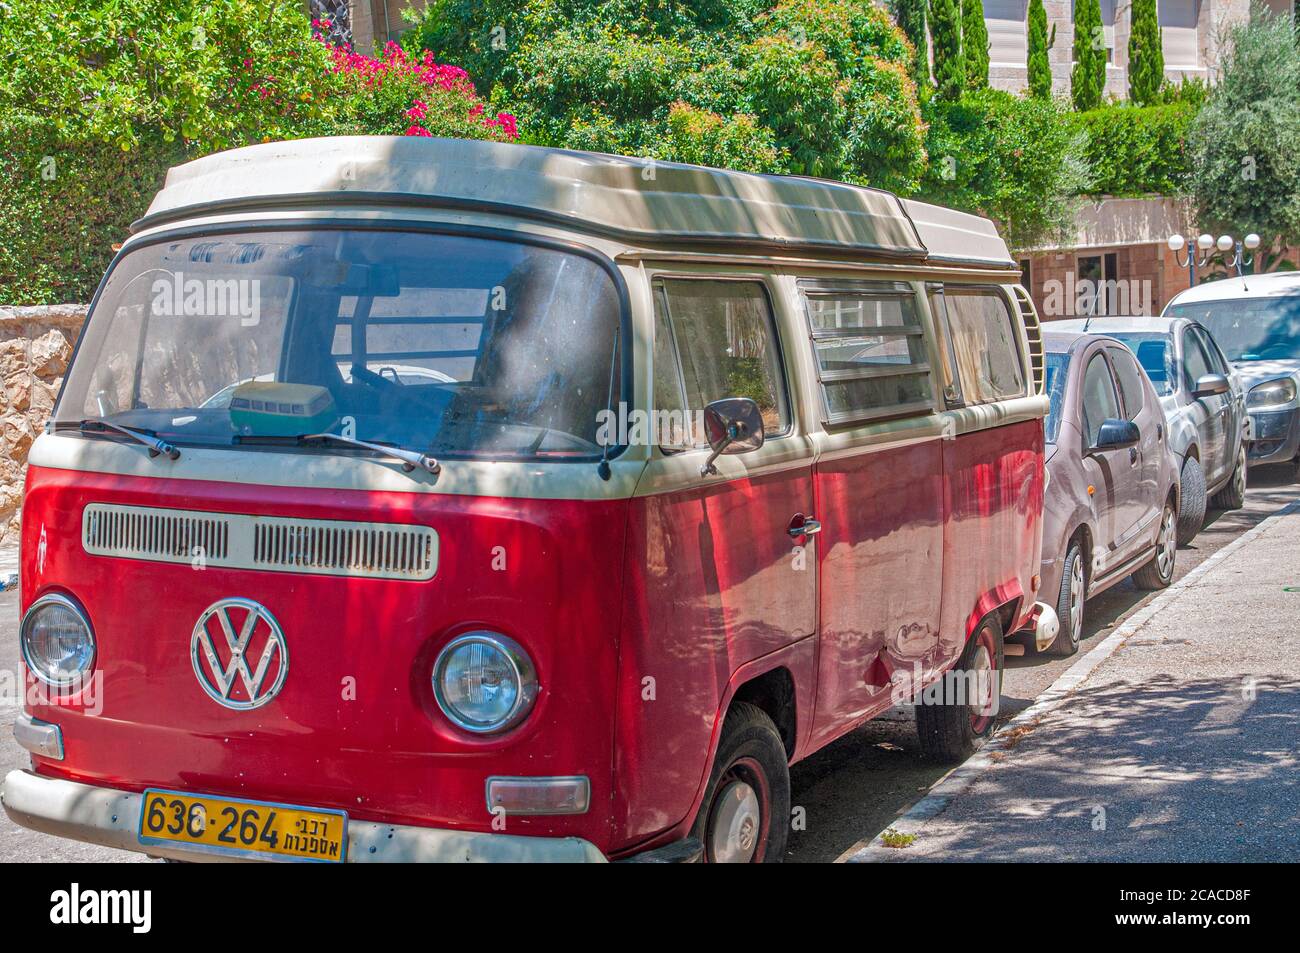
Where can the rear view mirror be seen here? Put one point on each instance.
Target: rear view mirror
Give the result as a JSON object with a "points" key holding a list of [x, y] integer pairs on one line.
{"points": [[1116, 435], [731, 425], [1208, 385]]}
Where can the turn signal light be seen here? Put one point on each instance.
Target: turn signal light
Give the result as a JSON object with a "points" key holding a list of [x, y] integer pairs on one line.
{"points": [[538, 795]]}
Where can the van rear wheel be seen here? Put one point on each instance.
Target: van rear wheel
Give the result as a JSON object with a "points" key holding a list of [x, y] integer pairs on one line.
{"points": [[956, 715], [745, 815]]}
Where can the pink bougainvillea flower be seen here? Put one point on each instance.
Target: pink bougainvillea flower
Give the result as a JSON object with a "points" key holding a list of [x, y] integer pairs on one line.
{"points": [[418, 131]]}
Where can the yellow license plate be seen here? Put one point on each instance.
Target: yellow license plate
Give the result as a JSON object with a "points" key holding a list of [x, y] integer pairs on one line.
{"points": [[243, 828]]}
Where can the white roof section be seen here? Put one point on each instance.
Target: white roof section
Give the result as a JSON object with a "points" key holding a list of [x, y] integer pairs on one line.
{"points": [[1105, 325], [641, 201], [1272, 285]]}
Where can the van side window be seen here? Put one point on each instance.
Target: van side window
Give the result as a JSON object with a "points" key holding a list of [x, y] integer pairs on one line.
{"points": [[1099, 400], [669, 401], [870, 349], [1130, 381], [726, 345], [984, 343]]}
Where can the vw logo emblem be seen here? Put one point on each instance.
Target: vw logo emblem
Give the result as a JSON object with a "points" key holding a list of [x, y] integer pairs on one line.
{"points": [[223, 659]]}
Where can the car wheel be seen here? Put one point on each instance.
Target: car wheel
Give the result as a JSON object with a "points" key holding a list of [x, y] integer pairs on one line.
{"points": [[1191, 509], [1069, 603], [1159, 572], [745, 815], [1233, 495], [955, 715]]}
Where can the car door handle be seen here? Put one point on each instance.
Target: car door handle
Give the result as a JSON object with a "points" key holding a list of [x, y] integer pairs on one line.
{"points": [[1132, 455], [809, 527]]}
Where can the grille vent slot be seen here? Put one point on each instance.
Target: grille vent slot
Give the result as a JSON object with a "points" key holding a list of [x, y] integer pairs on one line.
{"points": [[268, 543]]}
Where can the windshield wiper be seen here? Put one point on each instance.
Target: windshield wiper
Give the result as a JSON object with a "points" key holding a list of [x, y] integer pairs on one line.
{"points": [[411, 459], [146, 438]]}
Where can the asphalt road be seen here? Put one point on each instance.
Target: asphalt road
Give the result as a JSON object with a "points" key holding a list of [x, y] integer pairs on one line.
{"points": [[849, 790]]}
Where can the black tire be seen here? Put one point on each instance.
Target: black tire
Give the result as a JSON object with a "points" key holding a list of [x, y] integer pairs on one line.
{"points": [[949, 727], [1072, 587], [750, 752], [1233, 494], [1191, 509], [1159, 572]]}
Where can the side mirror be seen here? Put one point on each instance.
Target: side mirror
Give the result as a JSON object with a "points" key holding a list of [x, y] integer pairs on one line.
{"points": [[731, 425], [1116, 435], [1208, 385]]}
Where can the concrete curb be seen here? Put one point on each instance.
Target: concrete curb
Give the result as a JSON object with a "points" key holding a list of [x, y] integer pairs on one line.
{"points": [[960, 779]]}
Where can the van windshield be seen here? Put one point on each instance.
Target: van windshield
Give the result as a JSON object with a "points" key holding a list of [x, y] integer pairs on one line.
{"points": [[448, 344], [1249, 329]]}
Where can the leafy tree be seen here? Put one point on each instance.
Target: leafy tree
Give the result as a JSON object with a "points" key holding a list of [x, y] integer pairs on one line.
{"points": [[910, 17], [1146, 58], [945, 41], [1244, 146], [1016, 160], [1040, 68], [1088, 78], [824, 84], [975, 44]]}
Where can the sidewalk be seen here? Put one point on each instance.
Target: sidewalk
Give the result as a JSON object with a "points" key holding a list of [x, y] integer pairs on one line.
{"points": [[1176, 739]]}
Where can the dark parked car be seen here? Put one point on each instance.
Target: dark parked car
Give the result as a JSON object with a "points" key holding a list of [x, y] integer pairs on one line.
{"points": [[1111, 500], [1204, 405]]}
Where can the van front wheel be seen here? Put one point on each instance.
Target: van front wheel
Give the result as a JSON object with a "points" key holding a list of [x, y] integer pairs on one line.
{"points": [[745, 815], [955, 715]]}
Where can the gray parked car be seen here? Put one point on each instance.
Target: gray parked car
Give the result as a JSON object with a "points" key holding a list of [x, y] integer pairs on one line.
{"points": [[1110, 506], [1204, 405], [1256, 321]]}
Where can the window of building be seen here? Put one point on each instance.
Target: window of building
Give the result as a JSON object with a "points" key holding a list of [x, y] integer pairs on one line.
{"points": [[1008, 42], [1179, 40]]}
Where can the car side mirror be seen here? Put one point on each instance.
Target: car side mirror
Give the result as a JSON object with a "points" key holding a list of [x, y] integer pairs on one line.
{"points": [[1209, 385], [731, 425], [1116, 435]]}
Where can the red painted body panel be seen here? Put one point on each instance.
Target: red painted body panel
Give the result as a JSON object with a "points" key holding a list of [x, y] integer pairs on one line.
{"points": [[388, 755], [713, 583], [881, 559]]}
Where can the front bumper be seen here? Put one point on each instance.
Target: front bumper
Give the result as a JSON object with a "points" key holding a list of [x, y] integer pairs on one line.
{"points": [[111, 817], [1275, 436]]}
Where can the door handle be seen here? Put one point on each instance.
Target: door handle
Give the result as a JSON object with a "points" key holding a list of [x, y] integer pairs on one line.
{"points": [[809, 527], [1132, 455]]}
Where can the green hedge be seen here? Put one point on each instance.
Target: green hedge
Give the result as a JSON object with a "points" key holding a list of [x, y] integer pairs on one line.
{"points": [[1137, 150]]}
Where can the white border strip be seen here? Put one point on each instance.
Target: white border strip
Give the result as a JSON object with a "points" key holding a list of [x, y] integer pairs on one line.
{"points": [[958, 780]]}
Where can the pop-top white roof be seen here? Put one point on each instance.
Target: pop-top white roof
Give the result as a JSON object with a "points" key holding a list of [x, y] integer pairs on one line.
{"points": [[1273, 285], [641, 201]]}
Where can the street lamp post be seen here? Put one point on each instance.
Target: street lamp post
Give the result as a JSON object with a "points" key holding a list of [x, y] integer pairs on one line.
{"points": [[1205, 250]]}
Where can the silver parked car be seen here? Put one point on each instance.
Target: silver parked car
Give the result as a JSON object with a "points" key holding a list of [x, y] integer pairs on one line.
{"points": [[1110, 507], [1204, 405], [1256, 321]]}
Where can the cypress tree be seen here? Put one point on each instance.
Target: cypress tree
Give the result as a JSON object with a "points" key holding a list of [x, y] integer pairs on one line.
{"points": [[975, 44], [1088, 78], [1040, 68], [910, 17], [945, 36], [1146, 59]]}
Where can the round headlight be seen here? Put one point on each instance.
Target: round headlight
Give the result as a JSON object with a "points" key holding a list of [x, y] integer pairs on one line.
{"points": [[484, 682], [57, 641], [1271, 393]]}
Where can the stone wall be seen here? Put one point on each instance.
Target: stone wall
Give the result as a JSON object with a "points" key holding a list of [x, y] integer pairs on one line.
{"points": [[35, 345]]}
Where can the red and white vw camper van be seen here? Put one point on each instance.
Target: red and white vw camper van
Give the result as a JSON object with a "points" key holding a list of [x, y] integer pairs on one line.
{"points": [[412, 499]]}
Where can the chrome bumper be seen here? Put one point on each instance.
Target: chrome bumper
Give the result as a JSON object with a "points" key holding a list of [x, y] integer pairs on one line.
{"points": [[110, 817]]}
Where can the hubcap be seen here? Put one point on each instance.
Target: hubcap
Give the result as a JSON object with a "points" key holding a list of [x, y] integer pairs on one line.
{"points": [[1076, 599], [1168, 542], [735, 824], [982, 681], [1239, 478]]}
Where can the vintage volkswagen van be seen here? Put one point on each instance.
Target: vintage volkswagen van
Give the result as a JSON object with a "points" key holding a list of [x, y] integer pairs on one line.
{"points": [[413, 499]]}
